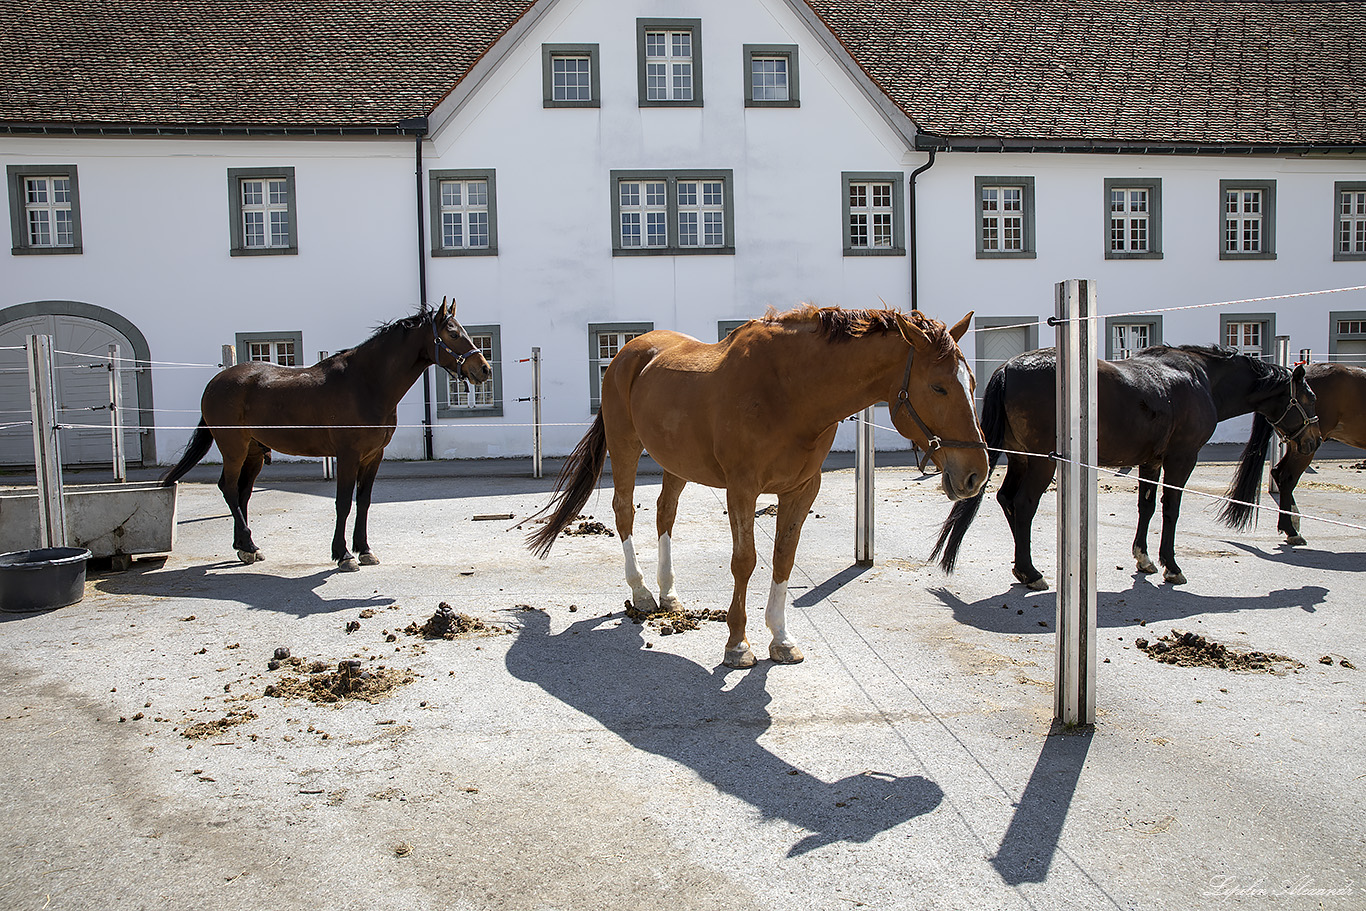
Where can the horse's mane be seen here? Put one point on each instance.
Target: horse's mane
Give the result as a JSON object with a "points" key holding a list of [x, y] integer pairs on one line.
{"points": [[1266, 373], [838, 324]]}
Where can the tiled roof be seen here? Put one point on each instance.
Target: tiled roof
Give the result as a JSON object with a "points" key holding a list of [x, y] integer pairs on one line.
{"points": [[1127, 70], [1066, 72], [335, 63]]}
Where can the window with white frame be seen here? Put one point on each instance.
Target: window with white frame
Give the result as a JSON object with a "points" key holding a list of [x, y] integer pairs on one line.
{"points": [[1005, 217], [270, 347], [1248, 333], [670, 61], [668, 212], [873, 214], [570, 75], [604, 341], [460, 398], [44, 209], [771, 75], [1248, 222], [1127, 339], [464, 213], [1133, 218], [262, 204], [1347, 337], [1350, 221]]}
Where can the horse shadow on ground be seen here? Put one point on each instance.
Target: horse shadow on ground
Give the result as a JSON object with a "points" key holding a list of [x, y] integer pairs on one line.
{"points": [[230, 580], [1022, 612], [675, 708], [1305, 557]]}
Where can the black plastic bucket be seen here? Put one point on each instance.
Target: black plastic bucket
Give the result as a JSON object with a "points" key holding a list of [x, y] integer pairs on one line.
{"points": [[34, 580]]}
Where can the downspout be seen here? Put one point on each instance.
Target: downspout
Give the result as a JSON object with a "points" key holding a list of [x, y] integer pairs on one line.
{"points": [[418, 127], [911, 233]]}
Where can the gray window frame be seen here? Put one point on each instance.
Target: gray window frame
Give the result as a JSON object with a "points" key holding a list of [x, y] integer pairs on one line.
{"points": [[444, 408], [1268, 188], [1154, 187], [1268, 321], [594, 366], [674, 25], [1340, 187], [14, 177], [237, 244], [898, 180], [548, 54], [671, 179], [788, 51], [1029, 238], [725, 327], [243, 339], [1334, 336], [434, 179], [1153, 322]]}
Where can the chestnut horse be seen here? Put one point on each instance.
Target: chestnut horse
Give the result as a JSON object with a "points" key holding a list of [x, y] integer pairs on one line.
{"points": [[1341, 394], [756, 413], [345, 406], [1154, 410]]}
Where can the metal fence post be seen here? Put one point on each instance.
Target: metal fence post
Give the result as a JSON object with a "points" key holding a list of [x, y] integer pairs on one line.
{"points": [[47, 456], [1281, 355], [116, 414], [536, 412], [229, 356], [863, 488], [329, 462], [1075, 665]]}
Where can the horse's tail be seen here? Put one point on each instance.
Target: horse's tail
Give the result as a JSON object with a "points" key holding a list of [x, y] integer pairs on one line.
{"points": [[577, 481], [1240, 511], [199, 444], [960, 517]]}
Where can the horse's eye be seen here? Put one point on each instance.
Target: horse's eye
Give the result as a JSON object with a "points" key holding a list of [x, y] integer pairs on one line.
{"points": [[938, 389]]}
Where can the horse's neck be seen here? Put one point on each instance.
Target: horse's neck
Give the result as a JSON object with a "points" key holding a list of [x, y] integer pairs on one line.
{"points": [[851, 375], [1233, 384], [391, 364]]}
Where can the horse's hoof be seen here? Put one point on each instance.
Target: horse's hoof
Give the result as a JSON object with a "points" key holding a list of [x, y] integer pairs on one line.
{"points": [[250, 556], [349, 565], [1147, 568], [785, 654], [644, 602], [1038, 583], [670, 603], [1174, 578], [1296, 540], [741, 656], [369, 559]]}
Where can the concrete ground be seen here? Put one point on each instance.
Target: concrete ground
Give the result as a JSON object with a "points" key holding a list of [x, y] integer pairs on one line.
{"points": [[581, 761]]}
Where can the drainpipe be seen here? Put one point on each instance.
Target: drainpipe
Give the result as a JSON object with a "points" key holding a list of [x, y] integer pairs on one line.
{"points": [[418, 127], [911, 234]]}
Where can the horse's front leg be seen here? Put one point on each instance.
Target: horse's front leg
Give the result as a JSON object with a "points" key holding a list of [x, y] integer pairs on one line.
{"points": [[1287, 474], [792, 510], [1171, 511], [625, 457], [360, 536], [1147, 505], [346, 488], [740, 507], [667, 512]]}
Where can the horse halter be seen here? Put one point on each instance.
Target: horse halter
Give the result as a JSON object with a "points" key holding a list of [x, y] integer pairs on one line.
{"points": [[903, 400], [439, 345], [1305, 419]]}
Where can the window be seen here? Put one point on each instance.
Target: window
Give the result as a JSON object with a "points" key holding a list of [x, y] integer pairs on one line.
{"points": [[262, 206], [1133, 218], [725, 327], [569, 75], [1349, 222], [771, 76], [669, 63], [45, 210], [1127, 335], [457, 398], [662, 212], [604, 341], [1248, 221], [874, 214], [464, 213], [283, 348], [1347, 337], [1005, 211], [1248, 333]]}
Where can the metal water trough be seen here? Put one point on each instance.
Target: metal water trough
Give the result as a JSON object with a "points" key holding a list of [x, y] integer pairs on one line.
{"points": [[120, 521]]}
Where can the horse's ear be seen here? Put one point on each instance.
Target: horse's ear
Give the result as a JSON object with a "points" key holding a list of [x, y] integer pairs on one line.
{"points": [[1298, 375], [960, 328], [913, 334]]}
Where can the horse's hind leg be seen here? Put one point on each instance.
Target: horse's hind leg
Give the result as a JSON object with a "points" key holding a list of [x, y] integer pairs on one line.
{"points": [[1176, 478], [1020, 501], [1287, 474], [625, 457], [347, 468], [360, 538], [792, 510], [230, 485], [664, 524], [740, 507], [1147, 505]]}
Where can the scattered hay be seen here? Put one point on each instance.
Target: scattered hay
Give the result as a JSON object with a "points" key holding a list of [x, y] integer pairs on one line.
{"points": [[1187, 649], [351, 680], [669, 622], [204, 729], [447, 624]]}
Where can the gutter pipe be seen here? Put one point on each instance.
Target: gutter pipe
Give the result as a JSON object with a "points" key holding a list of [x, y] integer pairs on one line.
{"points": [[911, 232], [418, 127]]}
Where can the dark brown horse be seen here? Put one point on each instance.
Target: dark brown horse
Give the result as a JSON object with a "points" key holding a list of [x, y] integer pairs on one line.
{"points": [[1154, 410], [1341, 394], [756, 413], [345, 406]]}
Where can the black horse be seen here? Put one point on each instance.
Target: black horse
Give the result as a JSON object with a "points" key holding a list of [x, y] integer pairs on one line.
{"points": [[1154, 410], [344, 406]]}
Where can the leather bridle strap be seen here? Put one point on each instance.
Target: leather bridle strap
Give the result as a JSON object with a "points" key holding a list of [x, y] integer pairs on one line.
{"points": [[1305, 419], [903, 400], [439, 345]]}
